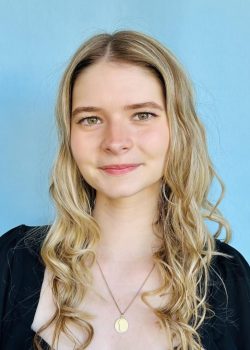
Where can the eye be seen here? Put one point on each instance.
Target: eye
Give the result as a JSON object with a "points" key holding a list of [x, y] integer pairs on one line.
{"points": [[145, 115], [93, 120], [89, 121]]}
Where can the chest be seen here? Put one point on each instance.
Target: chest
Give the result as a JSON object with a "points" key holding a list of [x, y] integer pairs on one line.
{"points": [[143, 328]]}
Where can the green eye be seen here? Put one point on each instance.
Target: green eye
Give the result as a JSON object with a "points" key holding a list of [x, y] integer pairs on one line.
{"points": [[145, 115], [94, 120], [89, 120]]}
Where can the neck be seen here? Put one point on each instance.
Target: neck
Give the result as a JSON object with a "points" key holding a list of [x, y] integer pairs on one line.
{"points": [[127, 232]]}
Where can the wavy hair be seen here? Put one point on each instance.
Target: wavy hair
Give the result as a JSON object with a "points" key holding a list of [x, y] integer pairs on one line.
{"points": [[188, 246]]}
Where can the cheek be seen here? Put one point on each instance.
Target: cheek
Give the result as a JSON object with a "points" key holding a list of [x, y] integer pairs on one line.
{"points": [[156, 141], [163, 137], [74, 145], [78, 145]]}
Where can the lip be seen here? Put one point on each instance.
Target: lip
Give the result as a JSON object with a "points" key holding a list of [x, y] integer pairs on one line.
{"points": [[118, 166], [116, 169]]}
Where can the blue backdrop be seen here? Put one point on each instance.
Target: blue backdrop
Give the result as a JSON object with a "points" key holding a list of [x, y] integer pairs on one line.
{"points": [[211, 38]]}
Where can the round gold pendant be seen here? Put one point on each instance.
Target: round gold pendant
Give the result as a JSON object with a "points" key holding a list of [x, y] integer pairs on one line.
{"points": [[121, 324]]}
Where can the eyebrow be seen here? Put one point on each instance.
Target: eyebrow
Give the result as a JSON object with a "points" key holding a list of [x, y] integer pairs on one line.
{"points": [[149, 104]]}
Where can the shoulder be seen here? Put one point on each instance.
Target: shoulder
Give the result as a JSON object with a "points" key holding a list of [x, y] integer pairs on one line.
{"points": [[230, 274], [20, 250], [230, 263], [19, 233], [21, 271], [22, 240], [226, 248], [229, 300]]}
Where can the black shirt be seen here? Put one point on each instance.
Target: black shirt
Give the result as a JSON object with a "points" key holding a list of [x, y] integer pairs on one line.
{"points": [[22, 272]]}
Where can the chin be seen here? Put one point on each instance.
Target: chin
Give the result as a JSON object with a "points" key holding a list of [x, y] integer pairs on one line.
{"points": [[119, 195], [116, 193]]}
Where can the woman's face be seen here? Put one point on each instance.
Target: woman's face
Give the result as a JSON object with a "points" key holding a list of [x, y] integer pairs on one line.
{"points": [[105, 131]]}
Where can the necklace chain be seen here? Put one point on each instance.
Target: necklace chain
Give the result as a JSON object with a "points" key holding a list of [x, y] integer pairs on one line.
{"points": [[122, 313]]}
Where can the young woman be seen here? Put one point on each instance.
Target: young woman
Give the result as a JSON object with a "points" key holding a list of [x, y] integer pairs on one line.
{"points": [[129, 261]]}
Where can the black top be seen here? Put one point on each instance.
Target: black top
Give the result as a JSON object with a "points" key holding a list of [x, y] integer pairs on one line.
{"points": [[21, 277]]}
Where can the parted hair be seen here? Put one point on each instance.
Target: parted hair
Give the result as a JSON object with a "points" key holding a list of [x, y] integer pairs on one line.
{"points": [[188, 246]]}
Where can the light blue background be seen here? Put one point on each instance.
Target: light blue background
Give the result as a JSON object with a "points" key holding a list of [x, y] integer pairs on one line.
{"points": [[211, 38]]}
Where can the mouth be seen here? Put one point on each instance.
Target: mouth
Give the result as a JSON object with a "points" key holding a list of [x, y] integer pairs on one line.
{"points": [[117, 169]]}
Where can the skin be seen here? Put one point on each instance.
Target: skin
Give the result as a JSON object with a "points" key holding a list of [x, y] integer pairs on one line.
{"points": [[126, 204]]}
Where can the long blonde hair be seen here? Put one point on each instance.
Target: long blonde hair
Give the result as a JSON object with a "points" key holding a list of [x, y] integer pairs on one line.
{"points": [[187, 245]]}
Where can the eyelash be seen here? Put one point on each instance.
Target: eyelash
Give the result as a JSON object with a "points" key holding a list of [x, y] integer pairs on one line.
{"points": [[87, 118]]}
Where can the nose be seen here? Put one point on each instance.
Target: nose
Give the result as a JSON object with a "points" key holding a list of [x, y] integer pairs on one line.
{"points": [[117, 138]]}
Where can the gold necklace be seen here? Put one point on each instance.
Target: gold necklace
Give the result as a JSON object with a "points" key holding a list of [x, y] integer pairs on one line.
{"points": [[121, 324]]}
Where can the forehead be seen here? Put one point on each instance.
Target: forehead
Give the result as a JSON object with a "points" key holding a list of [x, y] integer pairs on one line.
{"points": [[119, 81]]}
